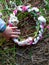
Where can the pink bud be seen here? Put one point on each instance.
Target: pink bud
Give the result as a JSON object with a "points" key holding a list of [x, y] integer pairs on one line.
{"points": [[10, 25], [42, 26], [47, 27], [24, 8], [15, 11], [31, 42]]}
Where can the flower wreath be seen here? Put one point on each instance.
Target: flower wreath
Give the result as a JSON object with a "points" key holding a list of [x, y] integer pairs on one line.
{"points": [[40, 20]]}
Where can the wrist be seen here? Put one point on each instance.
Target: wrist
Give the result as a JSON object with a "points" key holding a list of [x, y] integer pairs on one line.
{"points": [[3, 29]]}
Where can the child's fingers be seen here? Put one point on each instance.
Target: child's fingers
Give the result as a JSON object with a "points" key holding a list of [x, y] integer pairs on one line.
{"points": [[14, 33], [13, 27], [14, 36], [18, 30]]}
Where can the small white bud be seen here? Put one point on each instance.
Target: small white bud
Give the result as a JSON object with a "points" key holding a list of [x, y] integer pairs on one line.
{"points": [[38, 38], [15, 40], [30, 38], [19, 8], [40, 32], [33, 43], [29, 10], [41, 19], [35, 9], [10, 2], [35, 39]]}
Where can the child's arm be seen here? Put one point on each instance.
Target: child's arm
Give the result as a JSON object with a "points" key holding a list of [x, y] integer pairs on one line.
{"points": [[8, 32]]}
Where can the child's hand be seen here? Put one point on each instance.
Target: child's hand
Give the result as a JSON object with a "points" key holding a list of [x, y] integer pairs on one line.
{"points": [[11, 32]]}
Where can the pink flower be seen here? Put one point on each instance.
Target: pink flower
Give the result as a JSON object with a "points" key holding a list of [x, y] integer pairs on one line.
{"points": [[24, 8], [31, 42], [15, 11], [10, 25], [43, 26], [47, 27]]}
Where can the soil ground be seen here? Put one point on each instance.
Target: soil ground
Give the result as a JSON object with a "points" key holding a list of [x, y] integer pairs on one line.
{"points": [[12, 54]]}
